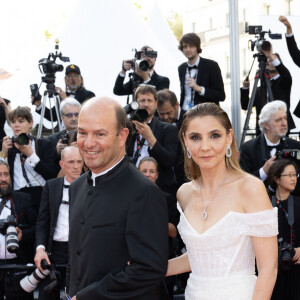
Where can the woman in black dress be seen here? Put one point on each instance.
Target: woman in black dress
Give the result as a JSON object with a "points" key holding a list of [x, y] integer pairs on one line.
{"points": [[282, 177]]}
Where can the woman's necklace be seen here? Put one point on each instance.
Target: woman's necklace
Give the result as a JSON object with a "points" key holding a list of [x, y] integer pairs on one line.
{"points": [[204, 214]]}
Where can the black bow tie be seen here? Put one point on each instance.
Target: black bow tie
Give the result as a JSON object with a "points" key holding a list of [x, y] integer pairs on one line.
{"points": [[66, 186], [192, 67], [277, 147]]}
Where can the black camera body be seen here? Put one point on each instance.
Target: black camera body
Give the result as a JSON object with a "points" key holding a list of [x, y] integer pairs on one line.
{"points": [[21, 139], [135, 113], [142, 64], [286, 254], [8, 228], [65, 138], [261, 43], [288, 153]]}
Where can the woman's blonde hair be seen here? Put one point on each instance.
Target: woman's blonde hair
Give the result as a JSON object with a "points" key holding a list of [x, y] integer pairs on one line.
{"points": [[191, 169]]}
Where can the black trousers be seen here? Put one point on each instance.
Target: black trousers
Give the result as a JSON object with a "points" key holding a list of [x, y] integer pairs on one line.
{"points": [[59, 256], [2, 282]]}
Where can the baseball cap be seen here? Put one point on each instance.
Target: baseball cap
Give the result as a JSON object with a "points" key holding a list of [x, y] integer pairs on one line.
{"points": [[72, 68]]}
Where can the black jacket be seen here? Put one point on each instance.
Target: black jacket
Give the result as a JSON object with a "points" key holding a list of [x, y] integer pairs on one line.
{"points": [[123, 218], [281, 89], [209, 76], [48, 214], [293, 49], [121, 89]]}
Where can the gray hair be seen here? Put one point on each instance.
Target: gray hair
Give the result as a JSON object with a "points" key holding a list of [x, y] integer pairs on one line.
{"points": [[268, 110], [68, 101], [4, 163]]}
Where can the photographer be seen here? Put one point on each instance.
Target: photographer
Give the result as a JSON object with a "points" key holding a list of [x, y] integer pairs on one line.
{"points": [[30, 160], [281, 84], [282, 177], [149, 77], [5, 108], [21, 206]]}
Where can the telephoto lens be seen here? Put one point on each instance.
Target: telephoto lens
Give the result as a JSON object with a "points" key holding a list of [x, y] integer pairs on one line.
{"points": [[12, 243]]}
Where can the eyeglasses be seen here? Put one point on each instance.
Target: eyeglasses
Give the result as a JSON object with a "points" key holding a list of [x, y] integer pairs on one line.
{"points": [[73, 76], [70, 115], [291, 175]]}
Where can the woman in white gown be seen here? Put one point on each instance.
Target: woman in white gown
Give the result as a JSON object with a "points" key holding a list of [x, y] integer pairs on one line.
{"points": [[226, 216]]}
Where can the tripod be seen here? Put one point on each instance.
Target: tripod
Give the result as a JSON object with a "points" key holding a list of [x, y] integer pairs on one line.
{"points": [[49, 95], [262, 75]]}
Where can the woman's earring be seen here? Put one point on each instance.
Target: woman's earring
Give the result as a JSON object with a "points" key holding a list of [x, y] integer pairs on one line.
{"points": [[188, 152], [228, 152]]}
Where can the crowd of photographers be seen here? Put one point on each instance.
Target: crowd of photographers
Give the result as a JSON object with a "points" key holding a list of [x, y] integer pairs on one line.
{"points": [[35, 173]]}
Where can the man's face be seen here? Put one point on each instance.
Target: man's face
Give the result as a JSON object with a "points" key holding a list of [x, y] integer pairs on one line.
{"points": [[5, 186], [73, 81], [189, 51], [70, 117], [100, 144], [167, 112], [148, 102], [71, 163], [271, 68], [151, 60], [277, 126]]}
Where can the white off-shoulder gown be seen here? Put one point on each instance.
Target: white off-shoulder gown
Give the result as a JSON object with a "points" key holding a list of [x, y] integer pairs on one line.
{"points": [[222, 258]]}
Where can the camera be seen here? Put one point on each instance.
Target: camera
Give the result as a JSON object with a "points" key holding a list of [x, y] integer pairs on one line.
{"points": [[65, 139], [261, 43], [136, 114], [286, 254], [288, 153], [30, 282], [8, 228], [142, 64], [21, 139]]}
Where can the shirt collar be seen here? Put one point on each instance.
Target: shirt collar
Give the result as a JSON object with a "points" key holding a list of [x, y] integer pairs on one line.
{"points": [[275, 77], [196, 63], [270, 143]]}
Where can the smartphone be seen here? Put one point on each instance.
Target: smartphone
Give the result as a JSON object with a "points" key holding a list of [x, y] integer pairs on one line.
{"points": [[35, 92]]}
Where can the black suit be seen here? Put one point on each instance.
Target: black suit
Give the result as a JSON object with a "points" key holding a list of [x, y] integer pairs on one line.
{"points": [[281, 89], [293, 49], [164, 151], [255, 153], [209, 76], [121, 89], [123, 218]]}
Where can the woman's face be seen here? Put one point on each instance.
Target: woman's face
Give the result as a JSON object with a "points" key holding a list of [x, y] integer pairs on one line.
{"points": [[21, 125], [148, 168], [287, 179], [207, 140]]}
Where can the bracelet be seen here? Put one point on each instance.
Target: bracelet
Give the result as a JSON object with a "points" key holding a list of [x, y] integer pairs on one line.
{"points": [[2, 155]]}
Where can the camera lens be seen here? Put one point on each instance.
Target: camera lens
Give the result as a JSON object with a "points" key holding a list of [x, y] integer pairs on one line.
{"points": [[12, 239], [22, 139]]}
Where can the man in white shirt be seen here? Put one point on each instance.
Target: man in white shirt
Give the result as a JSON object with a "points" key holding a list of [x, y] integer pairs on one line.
{"points": [[52, 228]]}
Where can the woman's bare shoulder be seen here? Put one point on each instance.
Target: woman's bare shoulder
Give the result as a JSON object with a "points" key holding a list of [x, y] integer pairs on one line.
{"points": [[184, 193]]}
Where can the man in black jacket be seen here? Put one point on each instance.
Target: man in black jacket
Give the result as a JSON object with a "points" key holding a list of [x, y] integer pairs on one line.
{"points": [[52, 227], [155, 138], [200, 78], [258, 154], [118, 241], [281, 84], [149, 77]]}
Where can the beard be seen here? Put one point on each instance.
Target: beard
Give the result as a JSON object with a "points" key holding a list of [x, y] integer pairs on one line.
{"points": [[5, 191]]}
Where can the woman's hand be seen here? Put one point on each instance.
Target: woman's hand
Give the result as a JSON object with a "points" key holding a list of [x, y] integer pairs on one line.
{"points": [[25, 149], [296, 257], [6, 144]]}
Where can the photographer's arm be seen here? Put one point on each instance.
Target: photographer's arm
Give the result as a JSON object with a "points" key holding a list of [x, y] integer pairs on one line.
{"points": [[121, 89], [7, 109], [6, 145]]}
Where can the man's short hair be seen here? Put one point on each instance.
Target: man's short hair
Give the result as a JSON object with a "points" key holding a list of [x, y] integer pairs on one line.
{"points": [[191, 39], [121, 118], [21, 112], [268, 110], [68, 101], [4, 163], [65, 150], [145, 89], [166, 95]]}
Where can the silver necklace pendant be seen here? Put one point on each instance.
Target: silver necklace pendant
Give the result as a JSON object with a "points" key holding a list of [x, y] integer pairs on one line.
{"points": [[204, 215]]}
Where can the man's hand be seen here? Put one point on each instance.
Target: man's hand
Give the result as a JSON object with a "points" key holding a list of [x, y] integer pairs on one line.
{"points": [[39, 256], [2, 103], [193, 85], [126, 65], [19, 232], [73, 298], [146, 132], [60, 146], [269, 53], [6, 144], [268, 164], [286, 22], [37, 103], [61, 93], [246, 82], [25, 149], [143, 74]]}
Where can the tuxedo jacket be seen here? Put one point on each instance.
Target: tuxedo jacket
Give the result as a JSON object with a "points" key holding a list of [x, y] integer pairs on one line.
{"points": [[164, 151], [209, 76], [121, 89], [281, 89], [293, 49], [45, 167], [254, 153], [26, 216], [48, 214], [123, 218]]}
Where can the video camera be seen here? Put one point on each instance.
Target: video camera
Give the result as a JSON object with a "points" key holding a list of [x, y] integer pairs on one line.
{"points": [[49, 67], [288, 153], [261, 43], [8, 228], [136, 114]]}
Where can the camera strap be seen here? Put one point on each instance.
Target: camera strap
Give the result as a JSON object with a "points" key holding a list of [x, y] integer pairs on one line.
{"points": [[3, 203], [23, 158], [5, 199], [140, 144]]}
